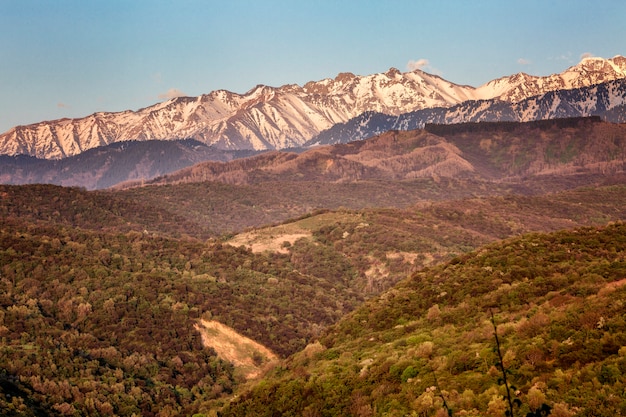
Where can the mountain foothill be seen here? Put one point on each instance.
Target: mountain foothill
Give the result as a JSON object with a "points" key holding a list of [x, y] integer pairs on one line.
{"points": [[393, 244]]}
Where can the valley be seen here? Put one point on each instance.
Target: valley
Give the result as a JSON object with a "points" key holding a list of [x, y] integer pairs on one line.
{"points": [[368, 273], [134, 287]]}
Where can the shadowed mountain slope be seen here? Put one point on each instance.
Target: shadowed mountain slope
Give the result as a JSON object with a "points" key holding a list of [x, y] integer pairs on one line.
{"points": [[107, 166]]}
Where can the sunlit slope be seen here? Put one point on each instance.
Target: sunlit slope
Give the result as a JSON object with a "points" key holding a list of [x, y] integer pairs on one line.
{"points": [[558, 304]]}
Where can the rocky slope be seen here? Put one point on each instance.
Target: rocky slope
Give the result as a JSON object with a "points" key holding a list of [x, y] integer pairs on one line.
{"points": [[277, 118]]}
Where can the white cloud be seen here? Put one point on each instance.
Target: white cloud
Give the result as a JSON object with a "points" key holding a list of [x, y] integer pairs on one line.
{"points": [[171, 93], [419, 64], [63, 105], [424, 65], [524, 61], [586, 55]]}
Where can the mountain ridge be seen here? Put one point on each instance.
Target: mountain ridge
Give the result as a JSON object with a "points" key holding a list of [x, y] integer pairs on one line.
{"points": [[288, 116], [108, 165], [499, 151], [607, 100]]}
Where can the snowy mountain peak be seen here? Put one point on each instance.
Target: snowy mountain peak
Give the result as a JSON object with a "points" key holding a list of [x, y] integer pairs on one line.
{"points": [[589, 71], [600, 68], [343, 77], [619, 60], [288, 116], [393, 73]]}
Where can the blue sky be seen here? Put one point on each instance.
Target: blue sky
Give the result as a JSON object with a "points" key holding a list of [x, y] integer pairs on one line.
{"points": [[71, 58]]}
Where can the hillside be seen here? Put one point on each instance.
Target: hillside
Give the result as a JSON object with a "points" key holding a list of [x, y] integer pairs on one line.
{"points": [[88, 289], [428, 347], [95, 322], [106, 166], [386, 245], [497, 152], [211, 210]]}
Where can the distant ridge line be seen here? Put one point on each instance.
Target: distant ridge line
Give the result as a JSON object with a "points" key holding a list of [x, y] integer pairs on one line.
{"points": [[507, 126]]}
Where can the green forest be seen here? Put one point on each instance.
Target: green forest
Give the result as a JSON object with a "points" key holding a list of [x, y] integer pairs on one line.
{"points": [[97, 314], [428, 346], [397, 294], [93, 322]]}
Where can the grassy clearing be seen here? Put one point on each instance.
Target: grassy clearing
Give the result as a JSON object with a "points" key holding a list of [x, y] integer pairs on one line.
{"points": [[274, 238], [250, 358]]}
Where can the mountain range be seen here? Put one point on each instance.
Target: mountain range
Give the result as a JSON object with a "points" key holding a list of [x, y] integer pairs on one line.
{"points": [[371, 271], [606, 100], [270, 118]]}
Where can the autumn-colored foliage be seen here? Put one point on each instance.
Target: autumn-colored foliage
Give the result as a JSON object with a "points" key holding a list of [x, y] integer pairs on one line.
{"points": [[558, 303], [101, 291]]}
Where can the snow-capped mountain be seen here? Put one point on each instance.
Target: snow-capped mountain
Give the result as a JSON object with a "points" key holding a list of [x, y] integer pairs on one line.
{"points": [[589, 71], [607, 100], [263, 118], [288, 116]]}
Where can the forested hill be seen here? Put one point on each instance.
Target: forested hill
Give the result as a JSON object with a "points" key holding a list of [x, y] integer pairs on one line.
{"points": [[100, 323], [100, 300], [428, 347]]}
